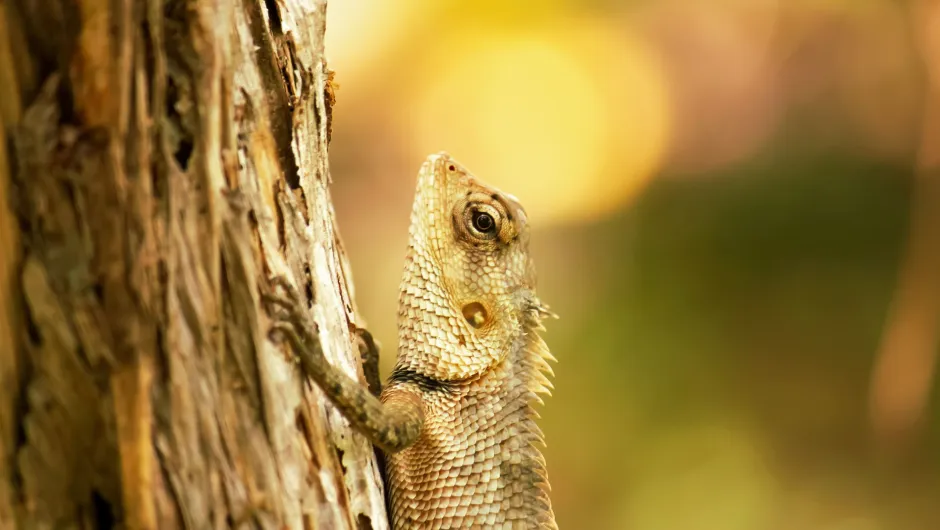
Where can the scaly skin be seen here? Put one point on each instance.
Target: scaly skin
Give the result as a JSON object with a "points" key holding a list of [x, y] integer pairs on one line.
{"points": [[457, 417]]}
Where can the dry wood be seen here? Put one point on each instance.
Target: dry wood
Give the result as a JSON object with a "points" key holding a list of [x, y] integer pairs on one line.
{"points": [[159, 162]]}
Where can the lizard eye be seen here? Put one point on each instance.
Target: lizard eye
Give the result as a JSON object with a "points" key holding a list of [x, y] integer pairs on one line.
{"points": [[483, 221]]}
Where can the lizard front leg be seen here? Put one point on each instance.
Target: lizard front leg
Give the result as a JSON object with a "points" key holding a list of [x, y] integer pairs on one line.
{"points": [[369, 351], [393, 425]]}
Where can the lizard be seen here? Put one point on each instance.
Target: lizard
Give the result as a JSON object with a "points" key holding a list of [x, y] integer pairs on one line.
{"points": [[456, 418]]}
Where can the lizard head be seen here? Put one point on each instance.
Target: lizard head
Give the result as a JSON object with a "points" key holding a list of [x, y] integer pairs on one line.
{"points": [[468, 289]]}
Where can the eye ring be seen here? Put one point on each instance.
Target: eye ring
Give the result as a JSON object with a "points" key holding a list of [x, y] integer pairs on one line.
{"points": [[482, 221]]}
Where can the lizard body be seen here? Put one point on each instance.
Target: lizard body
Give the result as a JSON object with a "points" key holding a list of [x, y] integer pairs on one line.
{"points": [[456, 418], [468, 348]]}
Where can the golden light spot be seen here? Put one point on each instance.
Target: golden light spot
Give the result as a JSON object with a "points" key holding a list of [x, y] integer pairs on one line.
{"points": [[570, 119], [475, 314], [359, 31]]}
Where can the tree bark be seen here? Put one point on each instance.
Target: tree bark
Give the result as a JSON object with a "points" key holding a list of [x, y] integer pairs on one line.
{"points": [[159, 161]]}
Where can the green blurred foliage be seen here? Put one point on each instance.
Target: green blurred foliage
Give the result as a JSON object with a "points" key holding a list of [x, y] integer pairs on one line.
{"points": [[748, 300]]}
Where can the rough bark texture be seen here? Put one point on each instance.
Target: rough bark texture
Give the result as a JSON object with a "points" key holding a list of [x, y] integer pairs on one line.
{"points": [[159, 161]]}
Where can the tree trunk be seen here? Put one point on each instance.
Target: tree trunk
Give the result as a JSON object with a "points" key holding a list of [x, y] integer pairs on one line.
{"points": [[159, 162]]}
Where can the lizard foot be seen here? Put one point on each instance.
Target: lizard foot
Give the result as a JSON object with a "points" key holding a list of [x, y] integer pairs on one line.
{"points": [[292, 321], [282, 294]]}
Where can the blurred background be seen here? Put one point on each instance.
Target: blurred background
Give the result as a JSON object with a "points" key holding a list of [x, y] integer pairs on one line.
{"points": [[734, 213]]}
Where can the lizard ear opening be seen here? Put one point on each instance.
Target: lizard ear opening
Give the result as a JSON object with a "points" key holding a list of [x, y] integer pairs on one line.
{"points": [[475, 314]]}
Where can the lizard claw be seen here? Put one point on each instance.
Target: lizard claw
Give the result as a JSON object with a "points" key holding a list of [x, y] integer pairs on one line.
{"points": [[282, 293], [283, 296], [291, 320], [286, 331], [279, 303]]}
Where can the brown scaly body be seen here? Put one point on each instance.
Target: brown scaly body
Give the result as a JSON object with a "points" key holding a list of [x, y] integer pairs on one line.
{"points": [[457, 416], [468, 347]]}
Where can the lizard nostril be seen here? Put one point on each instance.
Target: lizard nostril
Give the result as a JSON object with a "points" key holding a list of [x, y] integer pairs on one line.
{"points": [[475, 314]]}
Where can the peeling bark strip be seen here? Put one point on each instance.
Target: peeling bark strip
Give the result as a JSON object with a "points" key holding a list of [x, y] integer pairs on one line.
{"points": [[160, 160]]}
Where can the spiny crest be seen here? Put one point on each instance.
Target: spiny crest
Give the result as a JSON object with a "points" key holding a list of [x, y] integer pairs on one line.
{"points": [[535, 365], [534, 371]]}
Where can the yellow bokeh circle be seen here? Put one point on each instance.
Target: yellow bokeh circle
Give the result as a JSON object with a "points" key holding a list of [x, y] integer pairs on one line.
{"points": [[572, 120]]}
